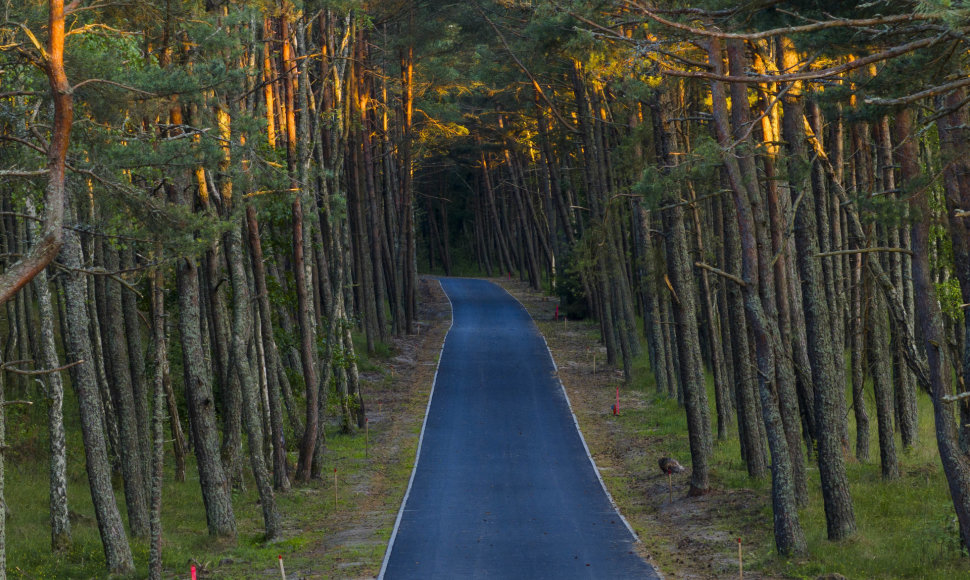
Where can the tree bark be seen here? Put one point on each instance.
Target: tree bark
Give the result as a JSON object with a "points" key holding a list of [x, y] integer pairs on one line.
{"points": [[280, 476], [825, 356], [956, 465], [117, 552], [122, 394], [880, 367], [789, 538], [159, 379], [212, 477], [242, 331]]}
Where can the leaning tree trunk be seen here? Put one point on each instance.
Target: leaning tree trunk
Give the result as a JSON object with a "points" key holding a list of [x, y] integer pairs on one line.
{"points": [[880, 368], [824, 354], [123, 396], [280, 477], [198, 391], [688, 343], [789, 537], [242, 329], [117, 552], [956, 466]]}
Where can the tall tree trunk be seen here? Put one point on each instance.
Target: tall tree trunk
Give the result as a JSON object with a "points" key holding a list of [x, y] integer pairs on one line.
{"points": [[230, 399], [242, 331], [880, 367], [307, 342], [122, 394], [824, 354], [136, 360], [202, 415], [956, 465], [771, 261], [159, 379], [280, 476], [117, 552], [61, 539], [60, 524], [789, 538]]}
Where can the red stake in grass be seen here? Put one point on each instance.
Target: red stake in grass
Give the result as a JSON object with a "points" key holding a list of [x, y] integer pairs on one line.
{"points": [[282, 571], [193, 572], [616, 408], [557, 312]]}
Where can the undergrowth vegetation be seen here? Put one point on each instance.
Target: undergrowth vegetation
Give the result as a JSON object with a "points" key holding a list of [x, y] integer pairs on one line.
{"points": [[907, 528], [310, 514]]}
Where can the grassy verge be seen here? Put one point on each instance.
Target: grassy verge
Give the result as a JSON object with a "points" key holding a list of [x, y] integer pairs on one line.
{"points": [[906, 528], [326, 534]]}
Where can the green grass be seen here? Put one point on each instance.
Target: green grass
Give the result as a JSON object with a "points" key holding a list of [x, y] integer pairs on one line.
{"points": [[308, 510], [906, 528]]}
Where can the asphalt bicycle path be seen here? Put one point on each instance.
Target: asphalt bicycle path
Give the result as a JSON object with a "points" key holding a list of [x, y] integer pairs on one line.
{"points": [[503, 486]]}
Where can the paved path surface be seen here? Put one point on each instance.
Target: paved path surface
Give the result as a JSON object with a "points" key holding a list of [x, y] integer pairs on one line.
{"points": [[504, 487]]}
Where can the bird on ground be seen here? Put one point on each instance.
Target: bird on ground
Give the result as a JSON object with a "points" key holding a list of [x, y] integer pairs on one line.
{"points": [[669, 465]]}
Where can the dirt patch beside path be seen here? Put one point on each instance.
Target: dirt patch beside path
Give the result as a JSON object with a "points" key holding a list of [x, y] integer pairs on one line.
{"points": [[352, 538]]}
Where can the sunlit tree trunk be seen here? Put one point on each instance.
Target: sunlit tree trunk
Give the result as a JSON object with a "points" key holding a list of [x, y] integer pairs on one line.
{"points": [[789, 538], [824, 354]]}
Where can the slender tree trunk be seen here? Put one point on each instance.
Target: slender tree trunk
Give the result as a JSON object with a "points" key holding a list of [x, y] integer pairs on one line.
{"points": [[61, 539], [880, 367], [60, 524], [202, 417], [956, 465], [307, 342], [122, 393], [858, 360], [136, 359], [159, 379], [242, 331], [78, 345], [280, 477], [230, 400], [789, 538]]}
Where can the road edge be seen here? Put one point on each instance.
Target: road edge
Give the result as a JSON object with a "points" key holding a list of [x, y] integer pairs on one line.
{"points": [[424, 424], [582, 438]]}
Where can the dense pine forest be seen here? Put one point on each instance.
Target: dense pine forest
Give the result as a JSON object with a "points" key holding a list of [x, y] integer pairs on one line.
{"points": [[211, 213]]}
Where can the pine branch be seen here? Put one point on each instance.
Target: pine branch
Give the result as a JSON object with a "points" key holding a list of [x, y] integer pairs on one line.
{"points": [[736, 279], [785, 31]]}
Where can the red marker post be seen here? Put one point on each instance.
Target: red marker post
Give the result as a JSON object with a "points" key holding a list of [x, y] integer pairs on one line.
{"points": [[616, 408], [557, 312], [193, 572], [282, 571]]}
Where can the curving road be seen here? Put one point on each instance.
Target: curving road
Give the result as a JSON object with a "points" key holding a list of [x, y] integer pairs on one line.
{"points": [[503, 486]]}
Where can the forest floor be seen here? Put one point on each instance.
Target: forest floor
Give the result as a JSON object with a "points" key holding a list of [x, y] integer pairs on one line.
{"points": [[338, 527]]}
